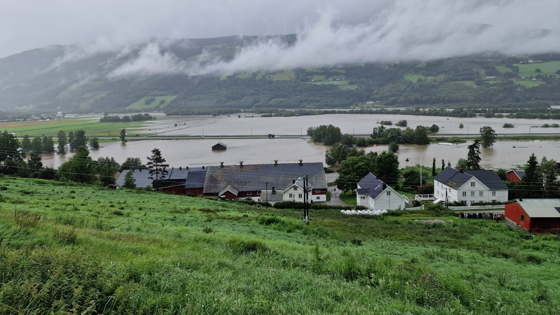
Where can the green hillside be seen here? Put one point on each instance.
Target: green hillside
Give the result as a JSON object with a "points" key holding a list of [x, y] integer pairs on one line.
{"points": [[68, 248]]}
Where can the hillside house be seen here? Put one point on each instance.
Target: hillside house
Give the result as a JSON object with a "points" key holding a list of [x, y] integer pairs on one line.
{"points": [[534, 215], [515, 175], [266, 182], [452, 185], [374, 194]]}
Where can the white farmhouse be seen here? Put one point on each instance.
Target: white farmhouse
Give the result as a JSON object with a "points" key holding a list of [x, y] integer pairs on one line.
{"points": [[374, 194], [453, 185]]}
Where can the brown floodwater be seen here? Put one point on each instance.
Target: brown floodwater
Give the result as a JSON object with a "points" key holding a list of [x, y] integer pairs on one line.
{"points": [[504, 154]]}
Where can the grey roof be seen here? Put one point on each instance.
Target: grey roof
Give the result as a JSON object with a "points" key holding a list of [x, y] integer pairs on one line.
{"points": [[176, 173], [370, 185], [541, 208], [455, 179], [519, 173], [140, 175], [261, 176], [195, 179]]}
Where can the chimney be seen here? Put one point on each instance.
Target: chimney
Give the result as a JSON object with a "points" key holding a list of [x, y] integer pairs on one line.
{"points": [[460, 170], [275, 162], [221, 164], [520, 198], [240, 163], [384, 186], [180, 168], [273, 190], [293, 180], [187, 167], [300, 162], [202, 166]]}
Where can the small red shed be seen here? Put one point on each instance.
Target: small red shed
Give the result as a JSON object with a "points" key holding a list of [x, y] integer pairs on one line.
{"points": [[515, 175], [534, 214]]}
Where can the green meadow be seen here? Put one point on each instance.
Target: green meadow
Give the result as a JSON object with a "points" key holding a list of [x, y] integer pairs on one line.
{"points": [[93, 127], [68, 248], [526, 70], [157, 102]]}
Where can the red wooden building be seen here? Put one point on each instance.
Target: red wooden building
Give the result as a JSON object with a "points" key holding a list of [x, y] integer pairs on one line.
{"points": [[534, 215], [515, 175]]}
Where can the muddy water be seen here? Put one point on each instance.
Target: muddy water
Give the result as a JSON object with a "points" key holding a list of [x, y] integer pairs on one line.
{"points": [[198, 152], [351, 124]]}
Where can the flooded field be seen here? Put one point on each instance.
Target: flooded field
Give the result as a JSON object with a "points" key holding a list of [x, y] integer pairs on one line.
{"points": [[251, 151], [248, 124]]}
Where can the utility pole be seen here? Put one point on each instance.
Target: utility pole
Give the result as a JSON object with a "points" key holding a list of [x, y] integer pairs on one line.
{"points": [[305, 200], [266, 192]]}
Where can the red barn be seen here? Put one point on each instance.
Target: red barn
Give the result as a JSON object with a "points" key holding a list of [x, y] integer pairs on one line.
{"points": [[534, 214], [515, 175]]}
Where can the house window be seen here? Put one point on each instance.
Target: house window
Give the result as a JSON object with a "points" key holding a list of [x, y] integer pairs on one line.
{"points": [[464, 193], [295, 188], [522, 218], [290, 195], [472, 184], [318, 198], [480, 193], [361, 197], [493, 193], [249, 193], [300, 196], [472, 193], [388, 193]]}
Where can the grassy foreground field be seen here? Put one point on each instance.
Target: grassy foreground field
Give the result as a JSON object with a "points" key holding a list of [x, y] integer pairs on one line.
{"points": [[81, 249]]}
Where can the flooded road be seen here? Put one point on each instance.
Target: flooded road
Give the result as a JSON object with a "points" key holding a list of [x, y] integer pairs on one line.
{"points": [[505, 154]]}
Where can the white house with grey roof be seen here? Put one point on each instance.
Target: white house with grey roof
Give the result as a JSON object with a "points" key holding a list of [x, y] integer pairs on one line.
{"points": [[452, 185], [374, 194]]}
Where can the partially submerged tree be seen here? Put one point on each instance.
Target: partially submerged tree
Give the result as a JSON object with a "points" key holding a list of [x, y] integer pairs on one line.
{"points": [[487, 136], [62, 142]]}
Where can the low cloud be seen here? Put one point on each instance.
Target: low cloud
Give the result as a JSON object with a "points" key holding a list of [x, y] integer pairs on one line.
{"points": [[151, 60]]}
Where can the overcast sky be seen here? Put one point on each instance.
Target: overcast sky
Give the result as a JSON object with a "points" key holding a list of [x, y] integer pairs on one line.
{"points": [[330, 31]]}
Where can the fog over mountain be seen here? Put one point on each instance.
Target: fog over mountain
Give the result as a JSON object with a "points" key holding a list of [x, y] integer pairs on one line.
{"points": [[328, 32]]}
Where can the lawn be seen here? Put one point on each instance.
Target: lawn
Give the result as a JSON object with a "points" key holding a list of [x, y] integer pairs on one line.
{"points": [[348, 198], [528, 83], [84, 249], [93, 127], [159, 102], [342, 84]]}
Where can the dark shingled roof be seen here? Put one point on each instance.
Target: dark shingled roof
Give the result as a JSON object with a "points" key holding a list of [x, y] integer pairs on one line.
{"points": [[370, 186], [141, 177], [195, 179], [259, 176], [454, 179]]}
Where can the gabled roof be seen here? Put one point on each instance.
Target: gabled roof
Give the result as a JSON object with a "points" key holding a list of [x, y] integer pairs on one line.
{"points": [[229, 188], [140, 176], [261, 176], [455, 179], [541, 208], [371, 186], [299, 183]]}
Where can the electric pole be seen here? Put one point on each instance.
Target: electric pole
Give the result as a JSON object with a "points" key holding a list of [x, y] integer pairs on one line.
{"points": [[305, 200]]}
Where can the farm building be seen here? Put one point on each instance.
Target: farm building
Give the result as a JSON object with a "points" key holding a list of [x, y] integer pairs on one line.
{"points": [[376, 195], [219, 147], [534, 215], [453, 185], [182, 181], [271, 180], [515, 175]]}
